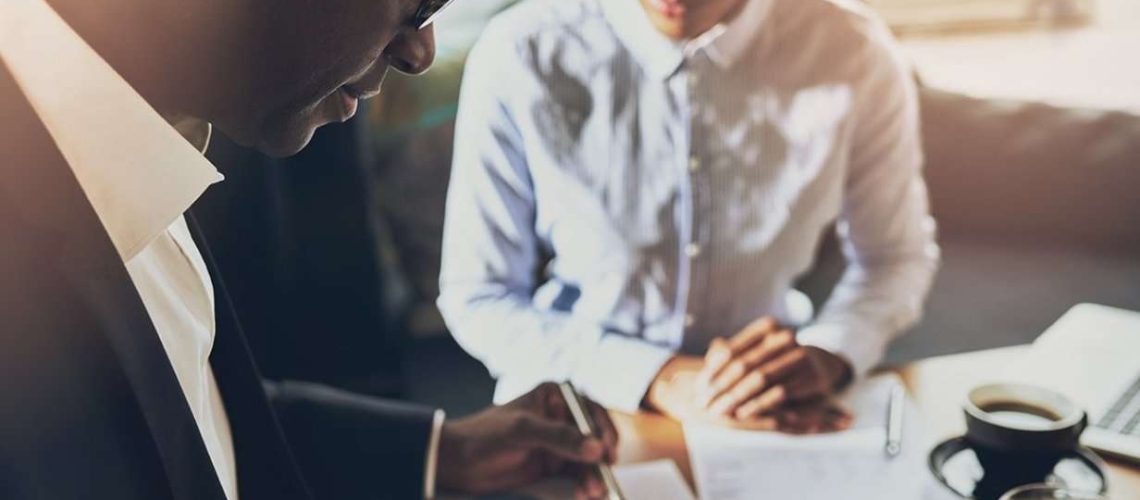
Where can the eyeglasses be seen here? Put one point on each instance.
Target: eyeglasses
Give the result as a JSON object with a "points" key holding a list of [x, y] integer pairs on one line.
{"points": [[428, 11]]}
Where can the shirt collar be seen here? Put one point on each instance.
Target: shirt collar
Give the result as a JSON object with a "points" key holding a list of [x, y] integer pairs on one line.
{"points": [[137, 171], [724, 43], [659, 55], [729, 41]]}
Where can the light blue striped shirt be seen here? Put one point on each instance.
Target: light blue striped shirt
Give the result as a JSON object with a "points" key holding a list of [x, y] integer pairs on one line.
{"points": [[617, 197]]}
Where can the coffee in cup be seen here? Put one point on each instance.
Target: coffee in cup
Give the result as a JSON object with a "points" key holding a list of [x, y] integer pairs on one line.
{"points": [[1019, 433]]}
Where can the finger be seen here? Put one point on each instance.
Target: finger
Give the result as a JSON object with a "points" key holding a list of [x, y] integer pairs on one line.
{"points": [[559, 438], [762, 423], [813, 419], [834, 423], [722, 351], [748, 387], [545, 399], [798, 427], [606, 428], [838, 419], [806, 387], [805, 420], [783, 365], [798, 421], [554, 404], [717, 355], [752, 334], [766, 402], [773, 347], [843, 414], [590, 483]]}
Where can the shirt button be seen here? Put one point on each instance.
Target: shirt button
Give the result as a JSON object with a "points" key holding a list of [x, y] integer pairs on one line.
{"points": [[690, 320], [692, 250], [694, 164]]}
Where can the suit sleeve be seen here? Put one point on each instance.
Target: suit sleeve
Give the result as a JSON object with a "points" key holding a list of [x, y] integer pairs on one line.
{"points": [[351, 446]]}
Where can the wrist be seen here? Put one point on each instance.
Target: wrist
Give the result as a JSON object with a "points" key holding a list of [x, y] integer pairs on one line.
{"points": [[449, 459], [663, 381], [836, 369]]}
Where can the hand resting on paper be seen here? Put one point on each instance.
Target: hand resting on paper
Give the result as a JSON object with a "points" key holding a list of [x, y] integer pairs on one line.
{"points": [[675, 394], [762, 368], [759, 379]]}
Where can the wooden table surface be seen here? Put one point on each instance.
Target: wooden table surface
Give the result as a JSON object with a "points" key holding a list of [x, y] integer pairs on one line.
{"points": [[938, 386]]}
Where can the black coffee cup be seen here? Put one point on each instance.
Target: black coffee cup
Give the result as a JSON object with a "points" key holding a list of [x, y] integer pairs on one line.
{"points": [[1019, 433]]}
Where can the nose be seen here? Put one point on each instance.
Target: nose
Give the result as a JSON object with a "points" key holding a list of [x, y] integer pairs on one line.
{"points": [[412, 51]]}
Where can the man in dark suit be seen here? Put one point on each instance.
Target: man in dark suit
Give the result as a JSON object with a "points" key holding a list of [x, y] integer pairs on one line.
{"points": [[123, 371]]}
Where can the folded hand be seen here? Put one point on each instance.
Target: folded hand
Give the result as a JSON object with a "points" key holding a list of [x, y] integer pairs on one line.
{"points": [[763, 369]]}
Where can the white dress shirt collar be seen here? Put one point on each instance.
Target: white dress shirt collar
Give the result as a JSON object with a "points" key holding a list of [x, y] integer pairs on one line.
{"points": [[93, 114], [661, 56]]}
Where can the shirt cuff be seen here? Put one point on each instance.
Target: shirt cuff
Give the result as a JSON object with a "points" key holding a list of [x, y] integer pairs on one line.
{"points": [[431, 462], [863, 350], [619, 372]]}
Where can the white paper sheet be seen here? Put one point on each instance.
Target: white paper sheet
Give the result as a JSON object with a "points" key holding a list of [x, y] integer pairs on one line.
{"points": [[747, 465], [657, 480]]}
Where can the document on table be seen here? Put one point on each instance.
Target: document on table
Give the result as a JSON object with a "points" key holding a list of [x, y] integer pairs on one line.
{"points": [[733, 464], [657, 480]]}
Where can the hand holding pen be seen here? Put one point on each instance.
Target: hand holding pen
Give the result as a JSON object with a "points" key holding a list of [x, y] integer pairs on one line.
{"points": [[586, 421], [524, 441]]}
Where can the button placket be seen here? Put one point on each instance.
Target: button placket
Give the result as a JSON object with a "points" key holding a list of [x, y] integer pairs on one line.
{"points": [[694, 248]]}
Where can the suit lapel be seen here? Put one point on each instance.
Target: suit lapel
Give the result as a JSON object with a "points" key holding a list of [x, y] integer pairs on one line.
{"points": [[266, 467], [43, 187]]}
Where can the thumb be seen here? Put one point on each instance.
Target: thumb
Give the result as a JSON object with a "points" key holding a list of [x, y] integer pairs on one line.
{"points": [[559, 438]]}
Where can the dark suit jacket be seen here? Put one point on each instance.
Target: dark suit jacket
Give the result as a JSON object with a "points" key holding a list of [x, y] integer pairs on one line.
{"points": [[89, 405]]}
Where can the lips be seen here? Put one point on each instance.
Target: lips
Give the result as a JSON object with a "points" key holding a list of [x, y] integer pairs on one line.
{"points": [[668, 8], [350, 101], [361, 94]]}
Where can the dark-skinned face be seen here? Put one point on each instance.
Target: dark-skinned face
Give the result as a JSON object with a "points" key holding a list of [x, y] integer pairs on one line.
{"points": [[685, 19], [310, 64]]}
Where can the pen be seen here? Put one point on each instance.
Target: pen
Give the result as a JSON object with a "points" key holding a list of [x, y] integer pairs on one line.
{"points": [[895, 407], [587, 427]]}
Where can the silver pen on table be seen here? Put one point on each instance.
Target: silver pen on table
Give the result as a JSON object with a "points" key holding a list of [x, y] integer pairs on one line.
{"points": [[895, 406], [587, 427]]}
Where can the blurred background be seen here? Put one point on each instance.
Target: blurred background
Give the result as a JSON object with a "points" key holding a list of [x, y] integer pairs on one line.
{"points": [[1031, 124]]}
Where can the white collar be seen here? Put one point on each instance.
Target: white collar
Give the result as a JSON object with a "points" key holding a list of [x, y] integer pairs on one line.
{"points": [[724, 43], [139, 174]]}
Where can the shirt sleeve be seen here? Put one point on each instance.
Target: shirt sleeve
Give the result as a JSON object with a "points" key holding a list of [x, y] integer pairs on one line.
{"points": [[491, 254], [886, 229]]}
